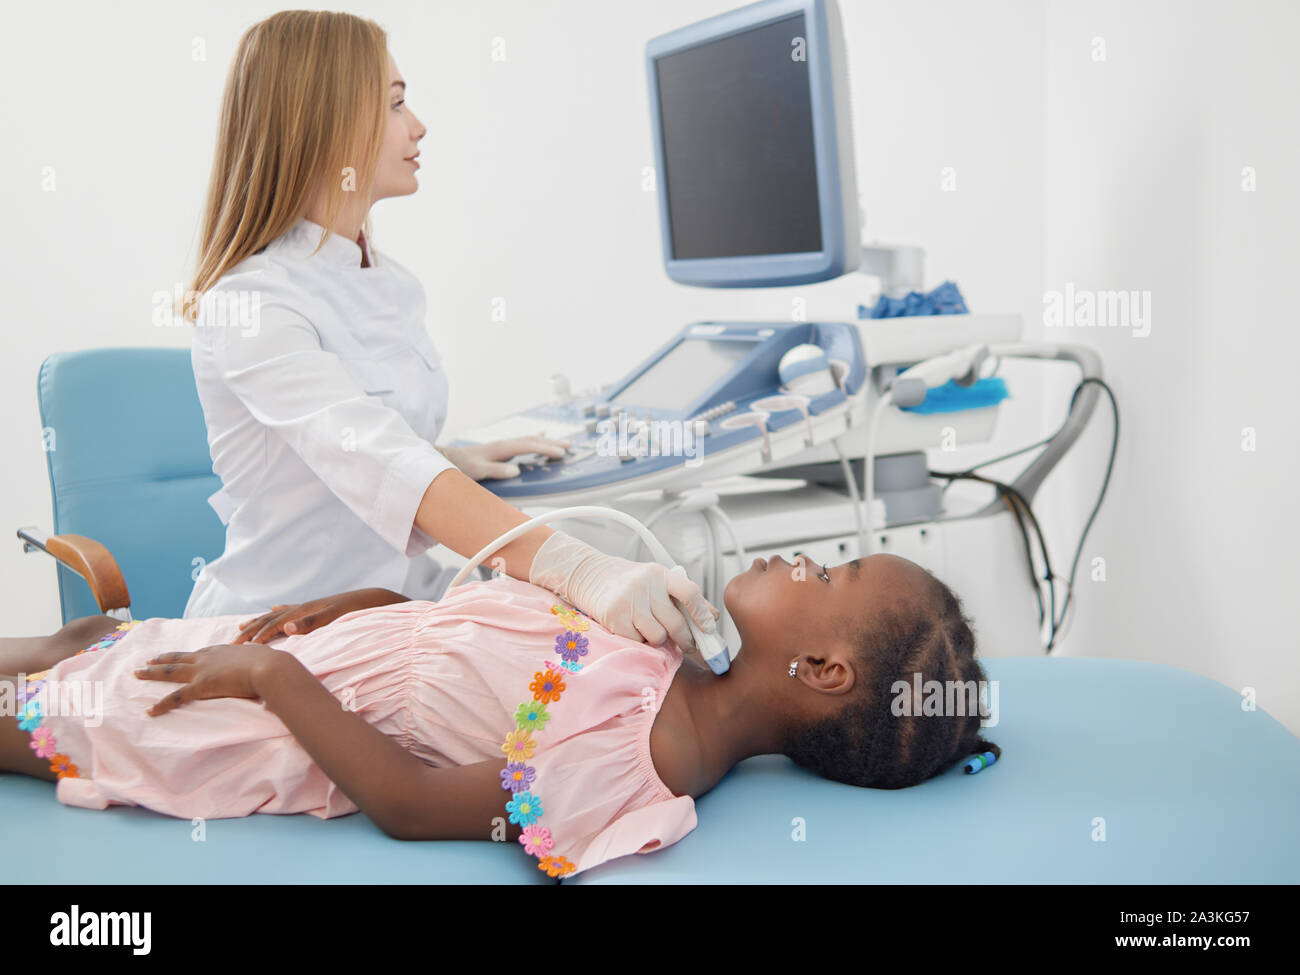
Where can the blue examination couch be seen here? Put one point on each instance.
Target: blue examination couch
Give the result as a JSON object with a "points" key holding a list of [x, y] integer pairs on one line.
{"points": [[1191, 789], [1113, 771]]}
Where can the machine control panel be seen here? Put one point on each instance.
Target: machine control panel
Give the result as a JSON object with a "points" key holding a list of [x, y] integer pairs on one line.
{"points": [[688, 403]]}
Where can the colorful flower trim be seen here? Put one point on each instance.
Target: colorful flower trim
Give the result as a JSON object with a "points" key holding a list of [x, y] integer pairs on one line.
{"points": [[43, 742], [518, 777]]}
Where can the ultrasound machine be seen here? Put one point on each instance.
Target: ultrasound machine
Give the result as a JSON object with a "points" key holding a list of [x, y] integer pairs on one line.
{"points": [[789, 437]]}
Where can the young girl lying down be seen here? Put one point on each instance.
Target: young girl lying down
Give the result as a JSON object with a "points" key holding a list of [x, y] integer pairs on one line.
{"points": [[495, 713]]}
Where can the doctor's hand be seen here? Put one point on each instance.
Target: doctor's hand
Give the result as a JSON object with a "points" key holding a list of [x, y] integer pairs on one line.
{"points": [[304, 617], [631, 599], [488, 460]]}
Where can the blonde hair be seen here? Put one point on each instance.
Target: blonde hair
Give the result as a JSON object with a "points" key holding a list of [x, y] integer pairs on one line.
{"points": [[304, 102]]}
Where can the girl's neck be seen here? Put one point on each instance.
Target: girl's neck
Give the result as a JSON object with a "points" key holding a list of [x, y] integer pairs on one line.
{"points": [[707, 724]]}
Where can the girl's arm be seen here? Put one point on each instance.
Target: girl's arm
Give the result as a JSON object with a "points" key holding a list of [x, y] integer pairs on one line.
{"points": [[305, 617], [406, 798]]}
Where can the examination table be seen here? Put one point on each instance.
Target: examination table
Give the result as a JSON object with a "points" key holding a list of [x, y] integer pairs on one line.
{"points": [[1112, 770], [1191, 789]]}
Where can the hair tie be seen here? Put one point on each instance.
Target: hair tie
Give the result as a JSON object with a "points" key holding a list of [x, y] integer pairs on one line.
{"points": [[980, 762]]}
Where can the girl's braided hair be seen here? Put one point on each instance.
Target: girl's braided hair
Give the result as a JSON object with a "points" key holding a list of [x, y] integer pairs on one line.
{"points": [[867, 744]]}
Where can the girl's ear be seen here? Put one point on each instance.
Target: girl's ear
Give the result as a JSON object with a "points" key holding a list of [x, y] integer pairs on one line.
{"points": [[828, 674]]}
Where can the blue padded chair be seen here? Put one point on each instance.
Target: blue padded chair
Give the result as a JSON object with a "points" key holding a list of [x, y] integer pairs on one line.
{"points": [[129, 470]]}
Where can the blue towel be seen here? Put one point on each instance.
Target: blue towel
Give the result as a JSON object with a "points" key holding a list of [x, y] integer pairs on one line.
{"points": [[943, 300], [949, 398]]}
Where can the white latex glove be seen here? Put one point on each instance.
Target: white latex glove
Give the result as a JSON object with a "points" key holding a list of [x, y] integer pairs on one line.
{"points": [[487, 460], [628, 598]]}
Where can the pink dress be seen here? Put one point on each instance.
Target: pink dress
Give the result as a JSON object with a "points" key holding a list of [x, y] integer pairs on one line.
{"points": [[449, 680]]}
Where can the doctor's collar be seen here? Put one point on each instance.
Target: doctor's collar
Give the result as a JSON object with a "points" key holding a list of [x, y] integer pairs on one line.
{"points": [[303, 237]]}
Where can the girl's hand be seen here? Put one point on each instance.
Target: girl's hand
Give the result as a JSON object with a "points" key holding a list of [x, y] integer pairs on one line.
{"points": [[221, 671], [305, 617], [487, 460]]}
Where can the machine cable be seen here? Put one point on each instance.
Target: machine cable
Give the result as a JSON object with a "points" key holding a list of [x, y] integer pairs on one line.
{"points": [[1023, 512]]}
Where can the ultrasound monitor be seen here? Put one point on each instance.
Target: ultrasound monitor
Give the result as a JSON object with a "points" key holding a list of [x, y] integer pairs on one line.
{"points": [[754, 146]]}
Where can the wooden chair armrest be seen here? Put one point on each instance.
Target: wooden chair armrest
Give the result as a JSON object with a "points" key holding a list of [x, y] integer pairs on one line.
{"points": [[88, 559]]}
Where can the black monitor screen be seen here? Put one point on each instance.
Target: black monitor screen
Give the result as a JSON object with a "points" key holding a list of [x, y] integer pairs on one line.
{"points": [[736, 118]]}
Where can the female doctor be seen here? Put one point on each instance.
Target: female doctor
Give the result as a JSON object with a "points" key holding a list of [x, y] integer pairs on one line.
{"points": [[322, 393]]}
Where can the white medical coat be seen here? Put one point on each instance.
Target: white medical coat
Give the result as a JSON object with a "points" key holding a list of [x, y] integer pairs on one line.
{"points": [[323, 396]]}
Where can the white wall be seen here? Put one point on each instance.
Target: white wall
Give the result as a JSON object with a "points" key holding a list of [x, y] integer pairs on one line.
{"points": [[1145, 158], [532, 188], [1110, 175]]}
